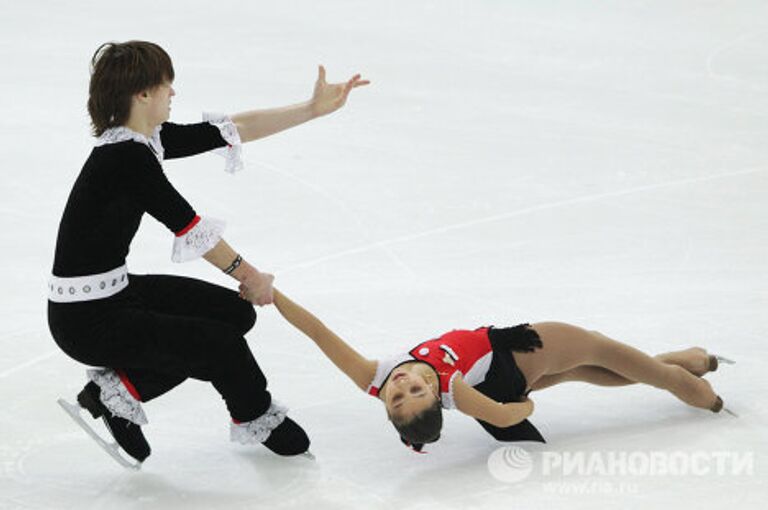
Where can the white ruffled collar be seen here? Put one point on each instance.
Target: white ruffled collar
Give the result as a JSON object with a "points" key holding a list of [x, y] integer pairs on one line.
{"points": [[122, 134]]}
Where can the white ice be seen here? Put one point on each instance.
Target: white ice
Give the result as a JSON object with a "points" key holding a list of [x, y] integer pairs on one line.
{"points": [[600, 163]]}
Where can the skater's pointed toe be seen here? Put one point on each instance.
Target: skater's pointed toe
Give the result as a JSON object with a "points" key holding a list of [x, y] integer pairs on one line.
{"points": [[141, 454], [715, 360], [131, 439]]}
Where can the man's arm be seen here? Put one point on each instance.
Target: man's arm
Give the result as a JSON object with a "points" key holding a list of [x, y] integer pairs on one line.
{"points": [[259, 284], [348, 360], [327, 98]]}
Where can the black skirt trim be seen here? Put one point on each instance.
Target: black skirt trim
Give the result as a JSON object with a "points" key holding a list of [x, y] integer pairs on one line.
{"points": [[504, 381], [521, 338]]}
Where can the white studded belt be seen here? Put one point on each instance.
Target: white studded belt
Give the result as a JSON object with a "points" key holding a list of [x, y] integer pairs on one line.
{"points": [[87, 288]]}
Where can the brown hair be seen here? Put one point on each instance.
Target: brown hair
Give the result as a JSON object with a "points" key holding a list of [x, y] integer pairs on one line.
{"points": [[422, 428], [118, 71]]}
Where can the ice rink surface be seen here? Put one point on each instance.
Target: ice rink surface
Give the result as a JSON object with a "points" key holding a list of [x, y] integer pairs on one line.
{"points": [[599, 163]]}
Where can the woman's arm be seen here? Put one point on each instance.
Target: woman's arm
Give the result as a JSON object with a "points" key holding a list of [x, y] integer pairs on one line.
{"points": [[475, 404], [327, 98], [349, 361]]}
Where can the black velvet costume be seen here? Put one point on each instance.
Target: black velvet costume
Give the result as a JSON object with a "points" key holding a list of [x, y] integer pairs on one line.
{"points": [[159, 330]]}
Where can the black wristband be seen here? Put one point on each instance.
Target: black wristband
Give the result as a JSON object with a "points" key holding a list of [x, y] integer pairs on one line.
{"points": [[234, 265]]}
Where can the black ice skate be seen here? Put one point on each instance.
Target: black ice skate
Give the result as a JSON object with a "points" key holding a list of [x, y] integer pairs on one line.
{"points": [[127, 435], [274, 430], [288, 439]]}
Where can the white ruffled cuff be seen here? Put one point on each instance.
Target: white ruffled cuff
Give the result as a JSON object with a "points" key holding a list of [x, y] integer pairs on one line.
{"points": [[116, 397], [258, 430], [233, 154], [198, 240]]}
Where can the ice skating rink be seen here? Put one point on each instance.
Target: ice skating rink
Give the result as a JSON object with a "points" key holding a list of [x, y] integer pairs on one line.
{"points": [[599, 163]]}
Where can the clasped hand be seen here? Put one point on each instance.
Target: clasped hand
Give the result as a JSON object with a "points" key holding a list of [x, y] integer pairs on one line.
{"points": [[256, 287]]}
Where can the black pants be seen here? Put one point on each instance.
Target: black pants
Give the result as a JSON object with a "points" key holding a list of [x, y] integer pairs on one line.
{"points": [[163, 329]]}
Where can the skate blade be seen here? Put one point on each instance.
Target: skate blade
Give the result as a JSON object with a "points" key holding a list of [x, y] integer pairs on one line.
{"points": [[309, 455], [727, 361], [730, 412], [112, 449]]}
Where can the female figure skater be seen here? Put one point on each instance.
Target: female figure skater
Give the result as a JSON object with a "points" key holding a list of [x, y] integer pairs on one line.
{"points": [[487, 373], [151, 332]]}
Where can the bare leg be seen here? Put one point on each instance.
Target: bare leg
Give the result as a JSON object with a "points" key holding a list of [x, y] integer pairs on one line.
{"points": [[693, 359], [567, 347], [585, 373]]}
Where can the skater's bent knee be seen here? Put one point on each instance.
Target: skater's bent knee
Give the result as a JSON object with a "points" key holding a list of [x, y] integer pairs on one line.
{"points": [[246, 317], [228, 348]]}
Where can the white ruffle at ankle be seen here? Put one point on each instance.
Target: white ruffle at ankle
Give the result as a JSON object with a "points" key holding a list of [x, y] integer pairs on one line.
{"points": [[258, 430], [116, 397]]}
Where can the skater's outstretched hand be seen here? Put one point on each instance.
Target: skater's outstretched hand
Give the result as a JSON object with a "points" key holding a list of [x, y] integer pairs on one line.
{"points": [[329, 97], [256, 287]]}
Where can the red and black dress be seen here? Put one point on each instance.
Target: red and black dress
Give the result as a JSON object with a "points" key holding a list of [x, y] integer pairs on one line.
{"points": [[485, 361]]}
